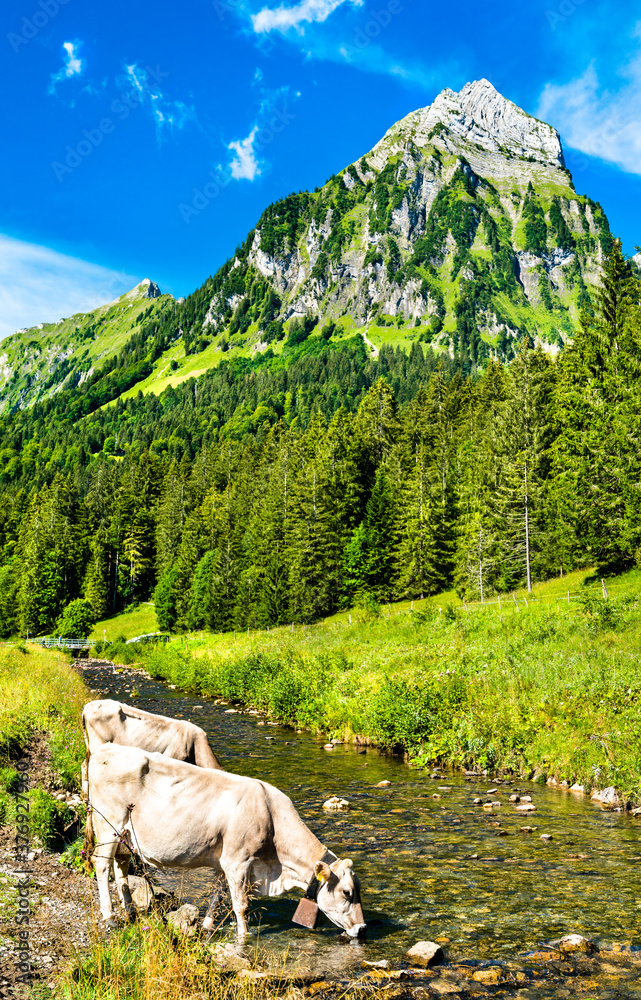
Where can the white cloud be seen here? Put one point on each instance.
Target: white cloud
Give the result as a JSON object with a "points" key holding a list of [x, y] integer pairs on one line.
{"points": [[166, 113], [73, 66], [244, 165], [597, 121], [282, 18], [40, 285]]}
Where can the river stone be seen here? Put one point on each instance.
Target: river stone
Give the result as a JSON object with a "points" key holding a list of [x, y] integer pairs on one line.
{"points": [[490, 977], [607, 797], [526, 798], [580, 789], [572, 943], [515, 798], [383, 964], [142, 895], [184, 919], [328, 746], [478, 802], [526, 807], [425, 953], [546, 836], [227, 958], [335, 804], [527, 829], [383, 784]]}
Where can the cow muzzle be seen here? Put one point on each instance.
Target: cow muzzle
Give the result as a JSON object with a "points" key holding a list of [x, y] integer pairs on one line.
{"points": [[359, 927]]}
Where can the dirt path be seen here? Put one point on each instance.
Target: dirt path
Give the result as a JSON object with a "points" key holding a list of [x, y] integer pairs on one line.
{"points": [[373, 347]]}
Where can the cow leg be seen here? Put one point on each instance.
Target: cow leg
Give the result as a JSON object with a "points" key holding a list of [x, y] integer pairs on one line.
{"points": [[102, 857], [208, 922], [121, 872], [237, 877]]}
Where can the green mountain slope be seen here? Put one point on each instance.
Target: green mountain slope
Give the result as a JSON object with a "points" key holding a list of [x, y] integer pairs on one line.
{"points": [[39, 362]]}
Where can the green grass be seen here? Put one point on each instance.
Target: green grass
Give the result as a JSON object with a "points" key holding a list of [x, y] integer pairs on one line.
{"points": [[41, 699], [138, 621], [551, 688]]}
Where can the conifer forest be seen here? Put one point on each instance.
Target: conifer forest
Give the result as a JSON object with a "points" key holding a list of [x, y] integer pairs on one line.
{"points": [[284, 488]]}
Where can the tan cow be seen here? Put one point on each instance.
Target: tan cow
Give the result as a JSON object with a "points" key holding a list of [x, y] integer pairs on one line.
{"points": [[179, 816], [108, 721]]}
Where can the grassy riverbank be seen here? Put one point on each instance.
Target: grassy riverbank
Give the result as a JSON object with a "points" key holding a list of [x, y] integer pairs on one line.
{"points": [[551, 688], [147, 962], [41, 701]]}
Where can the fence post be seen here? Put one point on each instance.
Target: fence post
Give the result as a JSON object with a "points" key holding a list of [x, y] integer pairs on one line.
{"points": [[515, 601], [412, 607], [568, 596], [499, 597], [604, 589], [526, 603]]}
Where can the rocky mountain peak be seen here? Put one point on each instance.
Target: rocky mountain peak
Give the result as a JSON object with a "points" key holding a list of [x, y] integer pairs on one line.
{"points": [[477, 118], [149, 289]]}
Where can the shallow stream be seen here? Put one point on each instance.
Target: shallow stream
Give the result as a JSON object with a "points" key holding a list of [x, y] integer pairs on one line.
{"points": [[433, 865]]}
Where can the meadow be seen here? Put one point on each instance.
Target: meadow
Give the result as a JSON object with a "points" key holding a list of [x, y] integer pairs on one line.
{"points": [[546, 685]]}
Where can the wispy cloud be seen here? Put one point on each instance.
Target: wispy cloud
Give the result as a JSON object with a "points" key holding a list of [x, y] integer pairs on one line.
{"points": [[40, 285], [244, 165], [166, 113], [601, 122], [271, 118], [73, 65], [308, 11]]}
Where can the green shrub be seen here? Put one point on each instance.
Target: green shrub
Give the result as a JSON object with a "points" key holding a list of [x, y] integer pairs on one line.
{"points": [[603, 614], [9, 779], [48, 818], [77, 620]]}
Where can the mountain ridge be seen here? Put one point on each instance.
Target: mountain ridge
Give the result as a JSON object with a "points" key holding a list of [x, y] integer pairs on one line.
{"points": [[461, 229]]}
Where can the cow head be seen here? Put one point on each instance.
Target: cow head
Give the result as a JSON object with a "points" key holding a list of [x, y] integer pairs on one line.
{"points": [[339, 896]]}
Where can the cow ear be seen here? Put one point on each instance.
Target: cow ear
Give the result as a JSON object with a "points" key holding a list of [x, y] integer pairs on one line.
{"points": [[346, 866], [322, 871]]}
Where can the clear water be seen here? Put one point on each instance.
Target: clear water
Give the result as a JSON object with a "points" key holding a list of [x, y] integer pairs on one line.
{"points": [[432, 864]]}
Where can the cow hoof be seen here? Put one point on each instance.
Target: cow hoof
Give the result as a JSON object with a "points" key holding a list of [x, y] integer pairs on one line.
{"points": [[111, 924]]}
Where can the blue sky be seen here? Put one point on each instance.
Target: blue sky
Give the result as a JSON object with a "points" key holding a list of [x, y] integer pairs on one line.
{"points": [[144, 140]]}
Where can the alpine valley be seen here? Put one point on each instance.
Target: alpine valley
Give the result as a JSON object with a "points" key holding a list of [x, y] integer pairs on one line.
{"points": [[407, 380]]}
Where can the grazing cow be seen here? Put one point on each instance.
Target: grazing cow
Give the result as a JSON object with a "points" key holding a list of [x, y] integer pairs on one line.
{"points": [[110, 721], [176, 815]]}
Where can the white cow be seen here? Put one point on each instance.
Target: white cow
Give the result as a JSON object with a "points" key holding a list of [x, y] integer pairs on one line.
{"points": [[176, 815], [108, 721]]}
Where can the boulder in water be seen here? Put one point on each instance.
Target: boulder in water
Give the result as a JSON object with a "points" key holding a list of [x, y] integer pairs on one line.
{"points": [[426, 953], [336, 804], [576, 943]]}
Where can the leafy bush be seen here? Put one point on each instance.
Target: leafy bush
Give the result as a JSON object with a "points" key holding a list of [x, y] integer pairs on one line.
{"points": [[77, 620], [368, 605], [48, 818], [404, 716], [603, 614]]}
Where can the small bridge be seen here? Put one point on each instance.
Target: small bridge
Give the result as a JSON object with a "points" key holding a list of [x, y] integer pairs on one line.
{"points": [[58, 642]]}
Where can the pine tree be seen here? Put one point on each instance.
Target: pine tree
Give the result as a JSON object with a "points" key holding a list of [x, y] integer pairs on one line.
{"points": [[521, 438]]}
